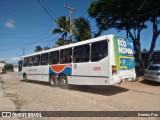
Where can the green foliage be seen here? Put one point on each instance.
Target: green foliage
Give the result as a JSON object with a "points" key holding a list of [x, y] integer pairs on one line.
{"points": [[82, 29], [46, 48], [127, 15], [61, 42], [118, 14], [8, 67], [63, 26], [37, 49]]}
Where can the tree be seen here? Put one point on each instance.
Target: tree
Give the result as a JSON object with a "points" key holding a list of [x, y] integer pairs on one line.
{"points": [[8, 67], [61, 42], [63, 27], [154, 16], [37, 49], [125, 15], [46, 48], [82, 29]]}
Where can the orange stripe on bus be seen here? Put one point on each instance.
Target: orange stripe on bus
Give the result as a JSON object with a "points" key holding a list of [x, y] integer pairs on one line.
{"points": [[58, 68]]}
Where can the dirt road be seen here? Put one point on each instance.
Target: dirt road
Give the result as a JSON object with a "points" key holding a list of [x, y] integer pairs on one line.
{"points": [[39, 96]]}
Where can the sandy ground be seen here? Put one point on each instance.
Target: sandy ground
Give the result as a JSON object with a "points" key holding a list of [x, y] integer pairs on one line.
{"points": [[38, 96]]}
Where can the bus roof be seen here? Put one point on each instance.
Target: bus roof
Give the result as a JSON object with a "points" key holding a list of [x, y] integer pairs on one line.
{"points": [[71, 45]]}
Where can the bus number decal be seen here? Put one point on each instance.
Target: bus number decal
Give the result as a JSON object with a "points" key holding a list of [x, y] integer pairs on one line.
{"points": [[32, 70], [96, 68]]}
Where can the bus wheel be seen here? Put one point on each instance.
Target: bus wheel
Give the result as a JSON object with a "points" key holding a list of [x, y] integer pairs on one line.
{"points": [[25, 77], [63, 82], [53, 81]]}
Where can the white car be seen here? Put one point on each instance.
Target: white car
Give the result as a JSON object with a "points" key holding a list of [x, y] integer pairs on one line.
{"points": [[152, 73]]}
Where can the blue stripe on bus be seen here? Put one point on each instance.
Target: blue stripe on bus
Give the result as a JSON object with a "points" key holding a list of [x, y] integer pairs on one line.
{"points": [[66, 71]]}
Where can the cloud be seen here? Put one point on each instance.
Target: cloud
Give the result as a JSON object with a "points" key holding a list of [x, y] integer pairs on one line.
{"points": [[10, 23], [13, 60], [1, 59]]}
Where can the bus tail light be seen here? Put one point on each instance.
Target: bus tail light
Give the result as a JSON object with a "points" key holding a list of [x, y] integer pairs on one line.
{"points": [[114, 70]]}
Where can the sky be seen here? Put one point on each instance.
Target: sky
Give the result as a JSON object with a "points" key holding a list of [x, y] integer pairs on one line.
{"points": [[24, 24]]}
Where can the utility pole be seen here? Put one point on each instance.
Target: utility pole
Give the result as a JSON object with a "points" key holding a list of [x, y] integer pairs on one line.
{"points": [[70, 8], [23, 51]]}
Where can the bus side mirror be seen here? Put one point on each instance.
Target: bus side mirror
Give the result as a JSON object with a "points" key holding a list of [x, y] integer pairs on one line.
{"points": [[19, 65]]}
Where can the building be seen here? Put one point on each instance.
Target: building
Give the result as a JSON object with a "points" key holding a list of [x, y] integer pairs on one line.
{"points": [[2, 64], [15, 68]]}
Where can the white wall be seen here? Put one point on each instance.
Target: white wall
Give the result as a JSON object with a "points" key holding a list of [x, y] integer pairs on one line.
{"points": [[15, 69], [2, 65]]}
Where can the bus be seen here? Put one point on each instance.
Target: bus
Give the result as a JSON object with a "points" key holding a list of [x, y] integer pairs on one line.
{"points": [[104, 60]]}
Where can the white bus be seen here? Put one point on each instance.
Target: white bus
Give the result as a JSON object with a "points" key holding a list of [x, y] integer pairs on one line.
{"points": [[105, 60]]}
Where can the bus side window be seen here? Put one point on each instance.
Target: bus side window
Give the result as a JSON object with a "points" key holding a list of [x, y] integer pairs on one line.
{"points": [[54, 57], [44, 59], [25, 63], [99, 50], [81, 54], [36, 60], [30, 61], [66, 56]]}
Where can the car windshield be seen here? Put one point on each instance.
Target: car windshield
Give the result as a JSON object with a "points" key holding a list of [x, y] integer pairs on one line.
{"points": [[154, 68]]}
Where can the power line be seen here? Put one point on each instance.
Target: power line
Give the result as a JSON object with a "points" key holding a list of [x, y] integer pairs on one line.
{"points": [[23, 45], [23, 51], [54, 39], [46, 10], [22, 40], [23, 33]]}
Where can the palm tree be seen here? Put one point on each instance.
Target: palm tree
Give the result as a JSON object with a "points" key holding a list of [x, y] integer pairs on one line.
{"points": [[63, 26], [82, 29], [61, 42]]}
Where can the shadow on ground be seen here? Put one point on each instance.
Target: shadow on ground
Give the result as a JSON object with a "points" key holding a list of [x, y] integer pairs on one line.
{"points": [[101, 90], [152, 83], [94, 89], [36, 82]]}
